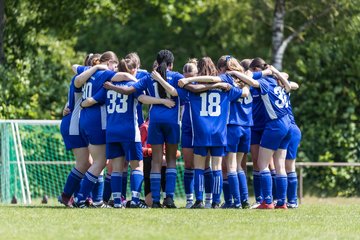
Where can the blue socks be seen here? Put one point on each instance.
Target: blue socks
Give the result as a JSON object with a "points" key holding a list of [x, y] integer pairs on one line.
{"points": [[226, 191], [266, 186], [170, 182], [234, 187], [107, 188], [281, 185], [155, 184], [98, 189], [209, 185], [116, 187], [189, 183], [218, 182], [137, 178], [86, 186], [199, 184], [292, 187], [72, 182], [124, 182], [273, 177], [257, 186], [244, 192]]}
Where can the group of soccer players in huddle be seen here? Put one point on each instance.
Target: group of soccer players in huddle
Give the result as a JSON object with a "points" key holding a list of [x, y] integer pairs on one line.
{"points": [[220, 112]]}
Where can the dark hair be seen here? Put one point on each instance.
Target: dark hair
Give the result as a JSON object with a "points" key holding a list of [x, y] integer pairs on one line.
{"points": [[245, 63], [92, 59], [126, 65], [207, 67], [258, 63], [135, 57], [107, 56], [164, 58]]}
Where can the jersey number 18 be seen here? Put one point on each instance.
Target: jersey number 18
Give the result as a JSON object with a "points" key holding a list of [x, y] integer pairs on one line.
{"points": [[210, 104]]}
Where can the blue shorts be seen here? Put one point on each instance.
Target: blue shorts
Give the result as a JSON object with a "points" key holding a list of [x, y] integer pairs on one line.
{"points": [[186, 138], [71, 141], [256, 135], [276, 134], [295, 138], [214, 151], [131, 150], [160, 133], [93, 125], [238, 139]]}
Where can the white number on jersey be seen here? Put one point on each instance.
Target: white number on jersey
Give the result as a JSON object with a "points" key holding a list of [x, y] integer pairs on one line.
{"points": [[155, 84], [119, 108], [87, 89], [246, 100], [210, 104], [281, 95]]}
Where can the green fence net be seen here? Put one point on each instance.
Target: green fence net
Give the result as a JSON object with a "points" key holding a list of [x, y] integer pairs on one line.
{"points": [[46, 161]]}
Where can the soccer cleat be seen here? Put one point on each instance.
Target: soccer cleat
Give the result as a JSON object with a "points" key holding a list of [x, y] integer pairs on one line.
{"points": [[198, 204], [169, 203], [189, 204], [110, 203], [226, 205], [137, 205], [156, 205], [236, 206], [207, 205], [255, 205], [215, 205], [264, 205], [281, 207], [245, 204], [292, 205], [67, 201], [81, 204], [100, 205], [119, 206]]}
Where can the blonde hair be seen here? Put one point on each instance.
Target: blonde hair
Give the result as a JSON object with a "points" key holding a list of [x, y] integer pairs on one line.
{"points": [[127, 64], [191, 66]]}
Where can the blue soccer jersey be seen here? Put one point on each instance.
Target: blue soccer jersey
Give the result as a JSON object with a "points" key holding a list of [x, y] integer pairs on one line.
{"points": [[274, 98], [240, 110], [209, 112], [140, 74], [159, 113], [93, 119], [121, 114], [258, 109], [289, 108], [74, 100]]}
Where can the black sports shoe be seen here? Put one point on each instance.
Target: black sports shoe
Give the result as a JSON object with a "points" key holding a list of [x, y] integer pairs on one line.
{"points": [[215, 205], [245, 204], [198, 205], [156, 205], [169, 203], [100, 205], [137, 205], [81, 204]]}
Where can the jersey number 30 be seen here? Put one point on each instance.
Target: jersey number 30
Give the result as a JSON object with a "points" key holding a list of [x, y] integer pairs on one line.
{"points": [[119, 108], [210, 104]]}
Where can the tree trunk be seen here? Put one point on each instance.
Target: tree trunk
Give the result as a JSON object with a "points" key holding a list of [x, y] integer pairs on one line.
{"points": [[278, 33], [2, 27]]}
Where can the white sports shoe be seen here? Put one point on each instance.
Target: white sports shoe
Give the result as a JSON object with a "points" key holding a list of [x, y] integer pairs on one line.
{"points": [[207, 205], [189, 204]]}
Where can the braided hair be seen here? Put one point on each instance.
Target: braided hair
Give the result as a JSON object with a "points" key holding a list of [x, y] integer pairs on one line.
{"points": [[164, 58]]}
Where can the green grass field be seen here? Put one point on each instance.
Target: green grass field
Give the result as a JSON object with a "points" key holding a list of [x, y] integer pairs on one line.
{"points": [[315, 219]]}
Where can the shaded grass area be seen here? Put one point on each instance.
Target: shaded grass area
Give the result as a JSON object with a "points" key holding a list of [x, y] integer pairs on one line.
{"points": [[316, 218]]}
